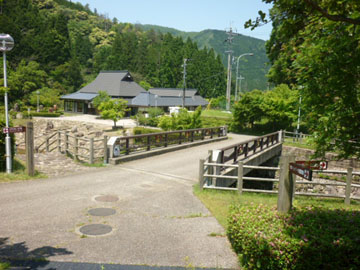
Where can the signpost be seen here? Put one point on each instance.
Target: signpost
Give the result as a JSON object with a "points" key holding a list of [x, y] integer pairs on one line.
{"points": [[300, 170], [314, 164], [14, 129]]}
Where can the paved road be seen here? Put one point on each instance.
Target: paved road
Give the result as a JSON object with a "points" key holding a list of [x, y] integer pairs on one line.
{"points": [[158, 221]]}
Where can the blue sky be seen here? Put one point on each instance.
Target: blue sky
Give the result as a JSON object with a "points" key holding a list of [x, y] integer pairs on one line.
{"points": [[186, 15]]}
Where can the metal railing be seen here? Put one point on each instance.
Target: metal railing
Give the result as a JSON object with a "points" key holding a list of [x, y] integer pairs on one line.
{"points": [[250, 147]]}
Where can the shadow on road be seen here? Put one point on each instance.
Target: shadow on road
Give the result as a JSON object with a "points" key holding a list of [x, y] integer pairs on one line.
{"points": [[19, 255]]}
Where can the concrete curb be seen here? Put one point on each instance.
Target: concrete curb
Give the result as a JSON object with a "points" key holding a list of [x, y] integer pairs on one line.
{"points": [[160, 151]]}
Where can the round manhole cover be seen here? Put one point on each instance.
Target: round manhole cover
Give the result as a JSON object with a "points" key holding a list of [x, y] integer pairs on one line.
{"points": [[95, 229], [107, 198], [102, 212]]}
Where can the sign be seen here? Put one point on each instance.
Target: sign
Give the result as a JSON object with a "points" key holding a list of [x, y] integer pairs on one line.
{"points": [[314, 164], [301, 171], [14, 129]]}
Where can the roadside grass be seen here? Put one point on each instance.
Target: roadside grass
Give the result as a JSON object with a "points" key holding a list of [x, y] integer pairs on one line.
{"points": [[94, 165], [218, 202], [19, 173]]}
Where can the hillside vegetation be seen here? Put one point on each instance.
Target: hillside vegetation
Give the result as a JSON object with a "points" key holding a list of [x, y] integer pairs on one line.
{"points": [[253, 68], [61, 45]]}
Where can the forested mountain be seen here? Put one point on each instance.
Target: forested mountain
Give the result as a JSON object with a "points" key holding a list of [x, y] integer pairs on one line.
{"points": [[60, 45], [253, 68]]}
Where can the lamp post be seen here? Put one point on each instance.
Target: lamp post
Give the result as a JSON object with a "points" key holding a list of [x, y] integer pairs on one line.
{"points": [[6, 44], [237, 76], [37, 108]]}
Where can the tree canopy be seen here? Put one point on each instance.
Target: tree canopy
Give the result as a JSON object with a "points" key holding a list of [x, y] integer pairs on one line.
{"points": [[315, 45]]}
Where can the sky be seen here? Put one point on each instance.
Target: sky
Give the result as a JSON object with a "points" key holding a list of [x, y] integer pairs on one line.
{"points": [[186, 15]]}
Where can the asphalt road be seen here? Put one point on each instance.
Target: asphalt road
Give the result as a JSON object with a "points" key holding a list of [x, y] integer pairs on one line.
{"points": [[158, 220]]}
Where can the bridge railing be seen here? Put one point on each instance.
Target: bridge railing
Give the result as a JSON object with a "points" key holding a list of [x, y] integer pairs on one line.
{"points": [[250, 147], [147, 142]]}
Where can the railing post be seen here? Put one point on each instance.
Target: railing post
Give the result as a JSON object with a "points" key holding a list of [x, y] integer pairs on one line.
{"points": [[180, 135], [210, 168], [201, 174], [47, 144], [236, 152], [148, 147], [261, 144], [76, 148], [246, 149], [66, 142], [202, 135], [211, 133], [166, 139], [105, 150], [348, 185], [192, 136], [59, 141], [91, 152], [286, 182], [240, 177], [127, 146]]}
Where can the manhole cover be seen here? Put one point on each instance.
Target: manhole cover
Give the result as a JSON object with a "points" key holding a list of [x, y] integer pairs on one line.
{"points": [[95, 229], [107, 198], [102, 212]]}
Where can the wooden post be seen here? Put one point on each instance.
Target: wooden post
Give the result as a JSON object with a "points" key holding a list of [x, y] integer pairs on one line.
{"points": [[148, 143], [127, 146], [66, 142], [192, 136], [210, 168], [76, 149], [240, 177], [202, 135], [211, 133], [166, 140], [59, 141], [29, 142], [286, 183], [47, 144], [201, 174], [348, 185], [180, 134], [105, 150], [91, 152]]}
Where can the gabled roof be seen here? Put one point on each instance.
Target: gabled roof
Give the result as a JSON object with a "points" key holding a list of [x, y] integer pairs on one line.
{"points": [[172, 92], [146, 99], [115, 83], [80, 96]]}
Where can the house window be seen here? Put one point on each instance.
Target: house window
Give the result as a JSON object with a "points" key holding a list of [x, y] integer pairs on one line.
{"points": [[80, 107], [69, 106]]}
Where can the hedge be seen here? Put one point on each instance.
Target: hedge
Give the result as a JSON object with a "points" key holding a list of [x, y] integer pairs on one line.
{"points": [[45, 114], [305, 238], [2, 146]]}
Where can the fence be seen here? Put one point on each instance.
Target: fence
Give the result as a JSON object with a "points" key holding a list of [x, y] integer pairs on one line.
{"points": [[248, 148], [295, 136], [90, 149], [79, 148], [208, 179]]}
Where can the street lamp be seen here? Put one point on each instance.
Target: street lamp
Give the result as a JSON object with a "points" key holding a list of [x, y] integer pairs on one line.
{"points": [[6, 44], [237, 76], [37, 93]]}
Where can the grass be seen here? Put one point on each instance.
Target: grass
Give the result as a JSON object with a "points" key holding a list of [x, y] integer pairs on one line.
{"points": [[218, 201], [216, 113], [18, 173], [4, 266]]}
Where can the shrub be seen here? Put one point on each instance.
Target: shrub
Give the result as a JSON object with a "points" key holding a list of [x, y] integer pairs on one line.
{"points": [[305, 238], [2, 146], [141, 130], [182, 120]]}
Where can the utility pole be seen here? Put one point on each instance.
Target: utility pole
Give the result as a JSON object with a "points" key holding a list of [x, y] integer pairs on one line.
{"points": [[231, 35], [184, 83]]}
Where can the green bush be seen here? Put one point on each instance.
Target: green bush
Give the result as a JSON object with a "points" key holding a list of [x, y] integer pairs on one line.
{"points": [[2, 146], [181, 121], [141, 130], [44, 114], [306, 238]]}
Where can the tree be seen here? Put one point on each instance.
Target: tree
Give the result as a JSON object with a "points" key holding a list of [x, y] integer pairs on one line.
{"points": [[315, 45], [113, 109], [103, 96]]}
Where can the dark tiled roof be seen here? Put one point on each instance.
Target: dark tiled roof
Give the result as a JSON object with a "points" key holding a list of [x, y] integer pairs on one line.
{"points": [[146, 99], [79, 96], [172, 92], [115, 83]]}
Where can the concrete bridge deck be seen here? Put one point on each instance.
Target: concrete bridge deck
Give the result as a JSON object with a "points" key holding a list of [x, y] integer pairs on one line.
{"points": [[158, 220]]}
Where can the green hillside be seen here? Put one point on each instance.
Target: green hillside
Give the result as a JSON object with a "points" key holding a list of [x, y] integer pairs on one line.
{"points": [[253, 68]]}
